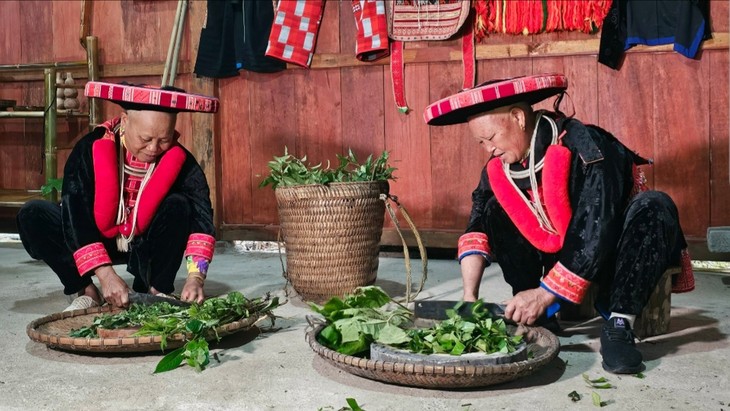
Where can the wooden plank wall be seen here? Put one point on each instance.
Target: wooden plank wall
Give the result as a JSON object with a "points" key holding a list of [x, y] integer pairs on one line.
{"points": [[663, 105]]}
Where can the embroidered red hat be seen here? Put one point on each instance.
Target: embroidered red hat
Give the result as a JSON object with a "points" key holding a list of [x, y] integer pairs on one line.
{"points": [[143, 97], [494, 94]]}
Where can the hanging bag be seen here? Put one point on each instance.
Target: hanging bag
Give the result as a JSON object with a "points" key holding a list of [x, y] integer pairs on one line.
{"points": [[427, 20]]}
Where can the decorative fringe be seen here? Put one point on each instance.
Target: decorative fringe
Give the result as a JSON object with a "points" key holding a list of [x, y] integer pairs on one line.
{"points": [[538, 16], [122, 244]]}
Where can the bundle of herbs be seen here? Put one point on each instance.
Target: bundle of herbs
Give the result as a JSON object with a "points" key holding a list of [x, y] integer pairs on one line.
{"points": [[197, 323], [369, 315], [289, 170]]}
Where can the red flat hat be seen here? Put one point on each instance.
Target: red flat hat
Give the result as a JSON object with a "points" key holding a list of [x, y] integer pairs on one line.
{"points": [[143, 97], [494, 94]]}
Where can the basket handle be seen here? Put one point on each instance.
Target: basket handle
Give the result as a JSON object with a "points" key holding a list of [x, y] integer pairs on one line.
{"points": [[387, 198], [284, 273]]}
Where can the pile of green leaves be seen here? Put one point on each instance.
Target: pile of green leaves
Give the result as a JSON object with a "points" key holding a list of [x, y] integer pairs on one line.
{"points": [[457, 335], [197, 322], [289, 170], [361, 319]]}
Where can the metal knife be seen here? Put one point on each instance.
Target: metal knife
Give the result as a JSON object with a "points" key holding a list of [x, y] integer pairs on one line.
{"points": [[149, 299], [436, 310]]}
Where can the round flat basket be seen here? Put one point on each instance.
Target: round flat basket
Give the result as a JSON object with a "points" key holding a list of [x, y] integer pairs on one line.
{"points": [[53, 330], [543, 345]]}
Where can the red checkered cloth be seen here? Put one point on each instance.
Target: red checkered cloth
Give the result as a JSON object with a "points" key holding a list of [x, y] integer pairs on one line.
{"points": [[372, 29], [294, 32], [141, 97]]}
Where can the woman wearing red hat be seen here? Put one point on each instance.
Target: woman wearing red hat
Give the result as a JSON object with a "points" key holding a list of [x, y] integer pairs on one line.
{"points": [[562, 205], [131, 194]]}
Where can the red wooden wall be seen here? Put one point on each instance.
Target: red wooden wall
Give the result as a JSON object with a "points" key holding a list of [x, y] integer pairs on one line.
{"points": [[663, 105], [660, 103]]}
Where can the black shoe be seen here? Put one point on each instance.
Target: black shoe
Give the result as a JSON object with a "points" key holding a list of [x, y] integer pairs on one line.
{"points": [[618, 348]]}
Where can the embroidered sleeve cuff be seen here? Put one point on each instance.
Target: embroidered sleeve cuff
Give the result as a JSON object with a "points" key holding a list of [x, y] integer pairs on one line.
{"points": [[565, 284], [90, 257], [474, 243], [197, 264], [201, 245]]}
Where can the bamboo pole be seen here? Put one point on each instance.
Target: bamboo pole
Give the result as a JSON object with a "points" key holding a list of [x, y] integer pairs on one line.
{"points": [[49, 129], [171, 46], [84, 30], [21, 114], [92, 59], [178, 40], [41, 66]]}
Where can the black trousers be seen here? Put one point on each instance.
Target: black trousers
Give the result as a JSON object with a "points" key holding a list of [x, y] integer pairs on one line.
{"points": [[154, 257], [651, 241]]}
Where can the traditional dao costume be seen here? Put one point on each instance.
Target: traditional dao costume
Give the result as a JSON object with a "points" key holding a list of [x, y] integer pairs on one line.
{"points": [[575, 212], [116, 209]]}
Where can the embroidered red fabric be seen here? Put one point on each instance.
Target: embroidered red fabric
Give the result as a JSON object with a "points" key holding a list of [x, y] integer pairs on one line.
{"points": [[151, 96], [474, 242], [90, 257], [566, 284], [201, 245]]}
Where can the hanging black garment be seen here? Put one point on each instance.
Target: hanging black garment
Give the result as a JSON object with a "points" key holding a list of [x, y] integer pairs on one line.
{"points": [[234, 38], [684, 23]]}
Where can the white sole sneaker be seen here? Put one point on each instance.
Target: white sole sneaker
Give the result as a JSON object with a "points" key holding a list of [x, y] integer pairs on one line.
{"points": [[81, 303]]}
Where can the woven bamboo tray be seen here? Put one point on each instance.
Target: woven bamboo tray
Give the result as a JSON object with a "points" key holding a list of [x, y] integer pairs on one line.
{"points": [[53, 330], [542, 343]]}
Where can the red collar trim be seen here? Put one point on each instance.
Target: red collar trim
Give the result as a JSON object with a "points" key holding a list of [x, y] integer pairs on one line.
{"points": [[555, 176], [106, 186]]}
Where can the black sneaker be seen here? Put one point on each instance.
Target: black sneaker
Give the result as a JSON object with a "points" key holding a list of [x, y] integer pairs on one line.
{"points": [[618, 348]]}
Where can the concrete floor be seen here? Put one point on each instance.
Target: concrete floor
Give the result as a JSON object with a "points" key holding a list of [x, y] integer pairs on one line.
{"points": [[687, 369]]}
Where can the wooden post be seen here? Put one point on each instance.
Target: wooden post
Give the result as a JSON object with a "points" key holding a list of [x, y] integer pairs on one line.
{"points": [[204, 125]]}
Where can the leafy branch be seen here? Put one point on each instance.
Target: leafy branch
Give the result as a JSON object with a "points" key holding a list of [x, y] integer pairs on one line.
{"points": [[52, 184], [364, 317], [197, 323], [289, 170]]}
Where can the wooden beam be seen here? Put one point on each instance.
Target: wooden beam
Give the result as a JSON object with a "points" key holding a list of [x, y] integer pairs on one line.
{"points": [[9, 74], [502, 51], [720, 41]]}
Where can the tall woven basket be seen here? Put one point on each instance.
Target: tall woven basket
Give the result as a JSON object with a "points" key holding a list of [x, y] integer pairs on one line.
{"points": [[332, 234]]}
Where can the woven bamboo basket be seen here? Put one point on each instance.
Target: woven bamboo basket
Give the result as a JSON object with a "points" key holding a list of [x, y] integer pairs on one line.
{"points": [[53, 330], [543, 345], [332, 234]]}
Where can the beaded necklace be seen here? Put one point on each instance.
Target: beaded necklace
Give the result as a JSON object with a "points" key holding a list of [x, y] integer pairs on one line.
{"points": [[535, 205], [123, 211]]}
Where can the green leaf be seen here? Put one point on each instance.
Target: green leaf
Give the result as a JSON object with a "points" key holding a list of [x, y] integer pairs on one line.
{"points": [[574, 396], [392, 335], [599, 383], [353, 404], [172, 360], [51, 185], [597, 399], [329, 337], [194, 326], [640, 375]]}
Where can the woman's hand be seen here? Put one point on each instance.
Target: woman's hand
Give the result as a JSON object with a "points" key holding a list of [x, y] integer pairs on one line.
{"points": [[193, 290], [527, 306], [114, 289]]}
